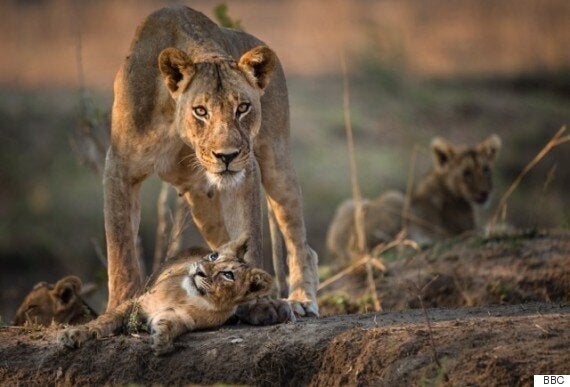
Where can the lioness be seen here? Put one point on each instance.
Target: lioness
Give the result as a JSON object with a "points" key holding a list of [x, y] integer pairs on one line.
{"points": [[206, 109], [192, 292], [441, 205], [60, 303]]}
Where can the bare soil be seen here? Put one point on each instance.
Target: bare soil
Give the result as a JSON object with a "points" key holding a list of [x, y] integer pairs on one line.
{"points": [[470, 271], [502, 344]]}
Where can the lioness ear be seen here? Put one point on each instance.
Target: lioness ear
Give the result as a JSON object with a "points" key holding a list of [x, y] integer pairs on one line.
{"points": [[442, 152], [260, 283], [258, 65], [490, 147], [176, 69], [66, 290]]}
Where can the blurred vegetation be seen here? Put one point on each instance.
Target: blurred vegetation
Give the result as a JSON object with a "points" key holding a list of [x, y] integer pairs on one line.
{"points": [[51, 205]]}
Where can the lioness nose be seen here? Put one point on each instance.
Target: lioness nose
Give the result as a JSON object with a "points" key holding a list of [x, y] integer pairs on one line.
{"points": [[226, 156]]}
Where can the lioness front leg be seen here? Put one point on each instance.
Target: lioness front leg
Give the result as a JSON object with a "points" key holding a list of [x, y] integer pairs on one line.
{"points": [[284, 197], [166, 326], [122, 216]]}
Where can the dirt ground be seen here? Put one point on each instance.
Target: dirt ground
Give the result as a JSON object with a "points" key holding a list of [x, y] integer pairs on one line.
{"points": [[504, 345], [468, 341], [470, 271]]}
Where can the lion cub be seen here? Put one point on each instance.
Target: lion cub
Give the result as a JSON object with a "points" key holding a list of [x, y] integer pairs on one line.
{"points": [[441, 204], [189, 293], [60, 303]]}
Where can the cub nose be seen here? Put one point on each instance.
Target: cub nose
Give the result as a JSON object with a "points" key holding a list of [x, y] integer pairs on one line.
{"points": [[226, 156], [483, 196]]}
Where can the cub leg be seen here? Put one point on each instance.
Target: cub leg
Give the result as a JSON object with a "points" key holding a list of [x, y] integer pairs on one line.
{"points": [[105, 325], [167, 325]]}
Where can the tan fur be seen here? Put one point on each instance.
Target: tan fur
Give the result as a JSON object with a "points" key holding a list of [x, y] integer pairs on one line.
{"points": [[191, 292], [60, 303], [441, 204], [205, 108]]}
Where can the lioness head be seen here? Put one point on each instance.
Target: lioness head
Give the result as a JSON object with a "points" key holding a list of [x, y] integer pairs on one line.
{"points": [[60, 303], [218, 108], [225, 279], [466, 171]]}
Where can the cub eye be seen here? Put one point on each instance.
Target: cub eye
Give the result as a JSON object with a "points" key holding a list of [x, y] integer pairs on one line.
{"points": [[467, 173], [486, 170], [200, 111], [242, 108], [228, 275], [213, 256]]}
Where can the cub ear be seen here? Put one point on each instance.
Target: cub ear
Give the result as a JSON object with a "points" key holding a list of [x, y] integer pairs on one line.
{"points": [[238, 246], [490, 147], [66, 291], [176, 69], [442, 151], [259, 284], [258, 65]]}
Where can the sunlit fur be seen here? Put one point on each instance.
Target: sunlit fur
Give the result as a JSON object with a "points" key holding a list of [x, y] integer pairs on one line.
{"points": [[441, 205], [191, 292]]}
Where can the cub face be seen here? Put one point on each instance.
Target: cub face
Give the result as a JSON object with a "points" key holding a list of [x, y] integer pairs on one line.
{"points": [[467, 171], [224, 279], [218, 108], [60, 303]]}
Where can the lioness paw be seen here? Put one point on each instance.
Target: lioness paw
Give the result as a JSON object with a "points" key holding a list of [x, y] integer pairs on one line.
{"points": [[265, 311], [305, 308], [73, 337]]}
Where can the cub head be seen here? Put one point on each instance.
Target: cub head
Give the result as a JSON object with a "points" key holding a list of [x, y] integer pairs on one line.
{"points": [[218, 108], [225, 279], [466, 171], [60, 303]]}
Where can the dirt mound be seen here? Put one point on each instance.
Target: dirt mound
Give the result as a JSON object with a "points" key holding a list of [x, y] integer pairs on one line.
{"points": [[500, 345], [473, 271]]}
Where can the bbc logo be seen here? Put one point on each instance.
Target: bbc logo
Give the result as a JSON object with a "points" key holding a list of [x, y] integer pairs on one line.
{"points": [[551, 380]]}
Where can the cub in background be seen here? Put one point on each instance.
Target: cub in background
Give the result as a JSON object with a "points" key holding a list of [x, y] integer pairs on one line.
{"points": [[441, 204], [60, 303]]}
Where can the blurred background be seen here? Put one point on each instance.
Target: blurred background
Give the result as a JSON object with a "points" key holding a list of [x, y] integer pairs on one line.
{"points": [[460, 69]]}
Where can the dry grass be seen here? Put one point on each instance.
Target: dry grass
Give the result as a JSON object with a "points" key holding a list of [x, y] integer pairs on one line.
{"points": [[501, 211]]}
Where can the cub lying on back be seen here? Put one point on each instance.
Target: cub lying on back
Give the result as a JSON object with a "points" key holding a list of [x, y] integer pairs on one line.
{"points": [[189, 293], [441, 204]]}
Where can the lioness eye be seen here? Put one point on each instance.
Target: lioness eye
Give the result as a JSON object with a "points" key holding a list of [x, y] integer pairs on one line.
{"points": [[486, 170], [467, 173], [213, 256], [200, 111], [228, 275], [242, 108]]}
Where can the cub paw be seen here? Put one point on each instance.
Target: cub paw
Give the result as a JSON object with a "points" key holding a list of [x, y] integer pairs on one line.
{"points": [[161, 346], [73, 337], [265, 311]]}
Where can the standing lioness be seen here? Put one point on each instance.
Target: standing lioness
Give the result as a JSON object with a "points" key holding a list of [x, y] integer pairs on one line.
{"points": [[206, 109]]}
